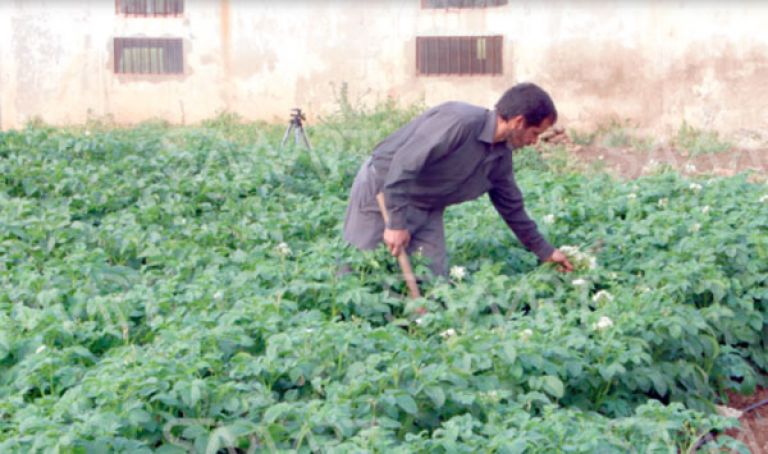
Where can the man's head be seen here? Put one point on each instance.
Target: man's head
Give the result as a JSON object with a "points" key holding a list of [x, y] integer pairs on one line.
{"points": [[522, 113]]}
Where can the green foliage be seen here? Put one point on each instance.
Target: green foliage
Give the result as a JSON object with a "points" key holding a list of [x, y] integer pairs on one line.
{"points": [[173, 289], [697, 141]]}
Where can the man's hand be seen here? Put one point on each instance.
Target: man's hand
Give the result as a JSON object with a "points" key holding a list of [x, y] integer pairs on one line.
{"points": [[558, 257], [396, 240]]}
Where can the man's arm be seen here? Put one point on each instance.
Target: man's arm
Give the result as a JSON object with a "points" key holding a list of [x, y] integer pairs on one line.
{"points": [[508, 200], [438, 134]]}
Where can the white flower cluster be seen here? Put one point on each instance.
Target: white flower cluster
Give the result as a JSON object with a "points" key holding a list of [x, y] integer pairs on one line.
{"points": [[450, 332], [695, 227], [458, 272], [549, 219], [764, 199], [579, 282], [690, 168], [663, 203], [705, 209], [602, 297], [579, 259], [632, 196], [283, 249], [602, 324], [526, 334], [695, 187]]}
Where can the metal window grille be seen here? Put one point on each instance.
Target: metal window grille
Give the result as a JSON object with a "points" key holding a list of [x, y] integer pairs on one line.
{"points": [[462, 3], [150, 7], [149, 56], [465, 55]]}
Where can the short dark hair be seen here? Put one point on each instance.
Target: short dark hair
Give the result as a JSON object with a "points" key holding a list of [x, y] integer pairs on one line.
{"points": [[528, 100]]}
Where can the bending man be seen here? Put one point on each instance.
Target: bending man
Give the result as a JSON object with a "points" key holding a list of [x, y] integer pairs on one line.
{"points": [[450, 154]]}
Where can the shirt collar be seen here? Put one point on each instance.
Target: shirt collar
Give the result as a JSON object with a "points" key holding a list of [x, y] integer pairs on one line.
{"points": [[489, 128]]}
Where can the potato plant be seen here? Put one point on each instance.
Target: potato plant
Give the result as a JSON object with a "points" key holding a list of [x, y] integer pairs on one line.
{"points": [[173, 289]]}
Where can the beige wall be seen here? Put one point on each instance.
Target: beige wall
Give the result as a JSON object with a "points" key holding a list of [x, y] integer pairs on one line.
{"points": [[656, 63]]}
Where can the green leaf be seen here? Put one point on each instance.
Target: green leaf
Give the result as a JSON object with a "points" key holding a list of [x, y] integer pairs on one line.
{"points": [[553, 386], [276, 411], [406, 402], [437, 395]]}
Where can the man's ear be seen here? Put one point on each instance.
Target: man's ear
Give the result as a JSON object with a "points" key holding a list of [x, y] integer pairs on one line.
{"points": [[517, 122]]}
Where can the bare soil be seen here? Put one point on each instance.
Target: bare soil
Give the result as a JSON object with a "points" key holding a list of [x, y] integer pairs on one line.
{"points": [[754, 424], [629, 163]]}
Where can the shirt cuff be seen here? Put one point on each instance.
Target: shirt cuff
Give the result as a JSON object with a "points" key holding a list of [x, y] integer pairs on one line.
{"points": [[396, 219], [544, 251]]}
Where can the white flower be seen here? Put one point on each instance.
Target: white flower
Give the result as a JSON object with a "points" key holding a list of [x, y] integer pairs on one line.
{"points": [[603, 323], [87, 132], [613, 275], [663, 202], [458, 272], [283, 249], [580, 260], [695, 187], [632, 196], [450, 332], [549, 219], [526, 334], [40, 349], [695, 227], [705, 209], [764, 199], [579, 282], [652, 166], [419, 320], [690, 168], [602, 297], [218, 295]]}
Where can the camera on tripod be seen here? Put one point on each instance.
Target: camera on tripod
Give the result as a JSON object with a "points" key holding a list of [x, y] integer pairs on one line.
{"points": [[296, 124], [297, 116]]}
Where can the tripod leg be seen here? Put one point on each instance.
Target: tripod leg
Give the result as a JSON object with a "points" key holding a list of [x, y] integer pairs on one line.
{"points": [[285, 136], [306, 139], [296, 132]]}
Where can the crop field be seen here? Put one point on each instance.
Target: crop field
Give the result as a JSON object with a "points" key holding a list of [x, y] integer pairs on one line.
{"points": [[167, 289]]}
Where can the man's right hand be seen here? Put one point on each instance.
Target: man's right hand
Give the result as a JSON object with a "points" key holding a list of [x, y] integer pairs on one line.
{"points": [[396, 240]]}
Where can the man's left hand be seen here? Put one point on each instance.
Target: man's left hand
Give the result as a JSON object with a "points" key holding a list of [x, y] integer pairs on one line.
{"points": [[564, 266]]}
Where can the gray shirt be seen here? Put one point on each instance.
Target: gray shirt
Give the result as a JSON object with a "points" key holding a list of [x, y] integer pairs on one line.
{"points": [[447, 156]]}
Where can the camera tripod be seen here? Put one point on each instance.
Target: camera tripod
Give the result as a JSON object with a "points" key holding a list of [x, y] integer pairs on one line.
{"points": [[295, 124]]}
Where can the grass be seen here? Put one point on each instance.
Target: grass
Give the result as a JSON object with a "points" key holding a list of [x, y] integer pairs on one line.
{"points": [[696, 141]]}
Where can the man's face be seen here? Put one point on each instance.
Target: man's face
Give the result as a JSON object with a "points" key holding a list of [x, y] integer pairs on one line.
{"points": [[520, 135]]}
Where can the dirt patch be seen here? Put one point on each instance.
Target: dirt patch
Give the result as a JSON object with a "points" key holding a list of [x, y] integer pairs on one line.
{"points": [[630, 163], [754, 419]]}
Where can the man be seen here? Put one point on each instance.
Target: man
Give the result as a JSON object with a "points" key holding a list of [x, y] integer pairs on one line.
{"points": [[450, 154]]}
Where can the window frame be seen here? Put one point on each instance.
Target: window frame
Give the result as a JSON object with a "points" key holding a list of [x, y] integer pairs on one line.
{"points": [[425, 67], [497, 3], [177, 44], [119, 12]]}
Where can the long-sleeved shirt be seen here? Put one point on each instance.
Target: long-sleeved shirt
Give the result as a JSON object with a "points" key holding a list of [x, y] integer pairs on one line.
{"points": [[447, 156]]}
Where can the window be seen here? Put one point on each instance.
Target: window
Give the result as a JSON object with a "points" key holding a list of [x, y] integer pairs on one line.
{"points": [[150, 7], [149, 56], [461, 3], [458, 55]]}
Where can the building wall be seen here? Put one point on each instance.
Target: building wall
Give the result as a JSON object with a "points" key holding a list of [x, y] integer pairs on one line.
{"points": [[655, 63]]}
